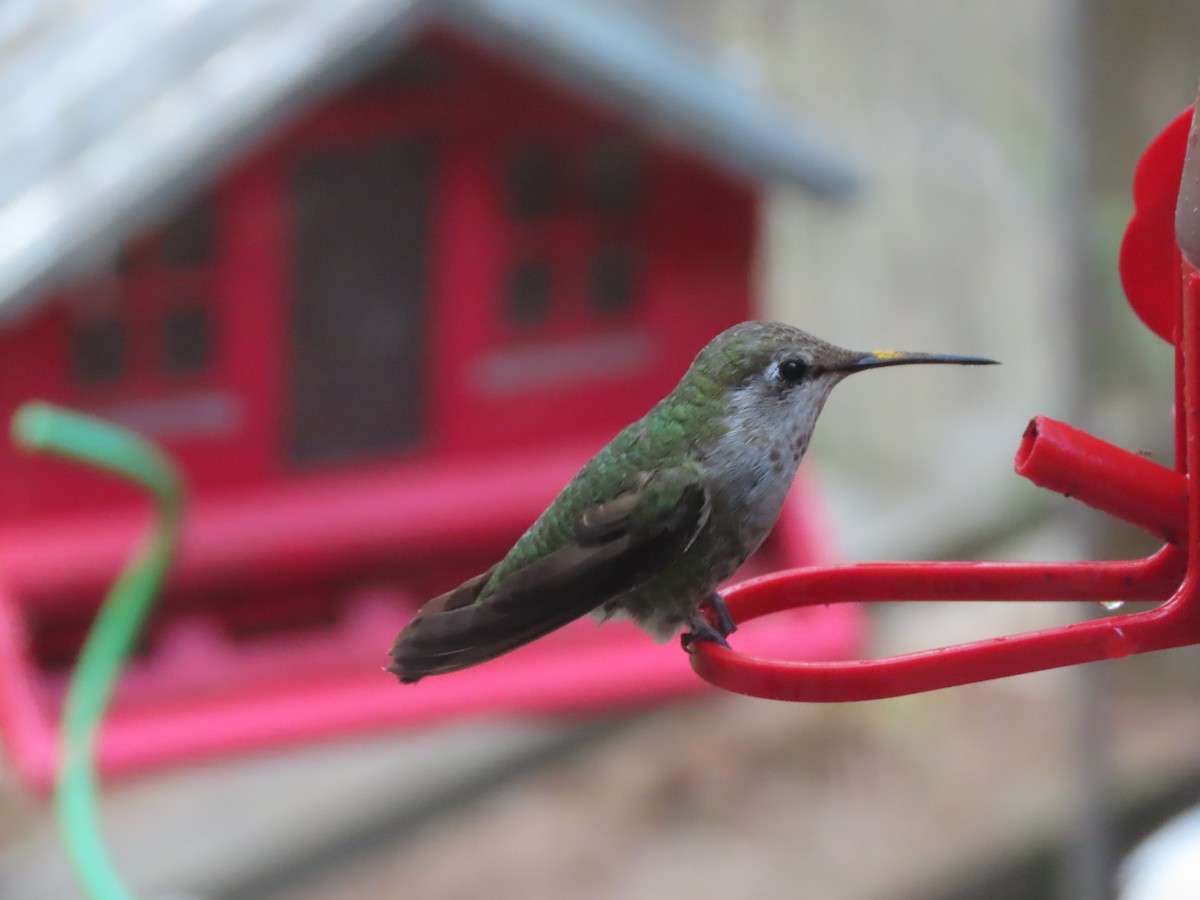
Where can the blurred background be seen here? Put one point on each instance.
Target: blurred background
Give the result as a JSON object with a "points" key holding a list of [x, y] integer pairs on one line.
{"points": [[992, 146]]}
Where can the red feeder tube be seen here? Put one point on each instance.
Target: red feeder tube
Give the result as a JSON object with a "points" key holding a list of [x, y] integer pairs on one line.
{"points": [[1071, 462]]}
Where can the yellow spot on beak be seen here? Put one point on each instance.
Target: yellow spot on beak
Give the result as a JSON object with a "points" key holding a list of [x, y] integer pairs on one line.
{"points": [[887, 354]]}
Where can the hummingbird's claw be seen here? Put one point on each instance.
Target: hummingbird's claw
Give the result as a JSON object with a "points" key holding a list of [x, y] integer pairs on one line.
{"points": [[725, 623], [701, 631]]}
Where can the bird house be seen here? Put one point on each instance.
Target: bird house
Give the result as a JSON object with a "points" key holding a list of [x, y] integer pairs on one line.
{"points": [[380, 286]]}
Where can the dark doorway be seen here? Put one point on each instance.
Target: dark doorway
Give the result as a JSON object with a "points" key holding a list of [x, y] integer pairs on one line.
{"points": [[360, 245]]}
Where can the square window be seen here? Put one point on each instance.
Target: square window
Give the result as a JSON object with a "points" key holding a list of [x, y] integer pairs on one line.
{"points": [[614, 279], [98, 351], [187, 339], [528, 293]]}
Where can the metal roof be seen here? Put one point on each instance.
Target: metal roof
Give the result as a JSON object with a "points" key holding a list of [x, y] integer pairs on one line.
{"points": [[114, 109]]}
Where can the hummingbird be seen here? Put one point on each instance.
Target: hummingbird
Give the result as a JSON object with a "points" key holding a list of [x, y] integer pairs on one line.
{"points": [[663, 514]]}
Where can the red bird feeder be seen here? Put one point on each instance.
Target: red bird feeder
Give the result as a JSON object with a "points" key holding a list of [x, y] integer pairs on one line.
{"points": [[1163, 286]]}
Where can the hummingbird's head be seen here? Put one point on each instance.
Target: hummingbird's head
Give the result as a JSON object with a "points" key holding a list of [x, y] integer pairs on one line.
{"points": [[778, 375]]}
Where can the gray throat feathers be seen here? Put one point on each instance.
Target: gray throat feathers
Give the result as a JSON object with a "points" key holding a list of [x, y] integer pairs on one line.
{"points": [[752, 465]]}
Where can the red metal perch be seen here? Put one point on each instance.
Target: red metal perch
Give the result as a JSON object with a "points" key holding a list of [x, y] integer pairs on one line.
{"points": [[1163, 286]]}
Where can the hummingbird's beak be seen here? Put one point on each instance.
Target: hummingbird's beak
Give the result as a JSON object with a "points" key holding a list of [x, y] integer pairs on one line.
{"points": [[876, 359]]}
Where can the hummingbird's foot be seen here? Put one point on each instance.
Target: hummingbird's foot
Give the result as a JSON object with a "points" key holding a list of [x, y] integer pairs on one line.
{"points": [[701, 631], [725, 623]]}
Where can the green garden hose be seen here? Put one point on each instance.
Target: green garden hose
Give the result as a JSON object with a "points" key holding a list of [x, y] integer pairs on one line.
{"points": [[43, 428]]}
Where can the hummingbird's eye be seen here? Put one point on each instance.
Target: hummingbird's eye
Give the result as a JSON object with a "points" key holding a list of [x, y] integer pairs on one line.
{"points": [[793, 370]]}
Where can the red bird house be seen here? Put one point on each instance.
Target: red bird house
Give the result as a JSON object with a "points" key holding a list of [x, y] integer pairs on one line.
{"points": [[379, 318]]}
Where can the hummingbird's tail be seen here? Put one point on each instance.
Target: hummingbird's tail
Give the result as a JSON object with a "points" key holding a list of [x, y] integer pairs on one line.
{"points": [[454, 631]]}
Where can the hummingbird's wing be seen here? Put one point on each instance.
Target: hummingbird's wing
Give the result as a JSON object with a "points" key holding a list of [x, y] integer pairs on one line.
{"points": [[614, 546]]}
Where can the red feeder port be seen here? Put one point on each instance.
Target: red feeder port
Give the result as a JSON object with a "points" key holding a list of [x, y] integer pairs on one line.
{"points": [[1063, 459]]}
